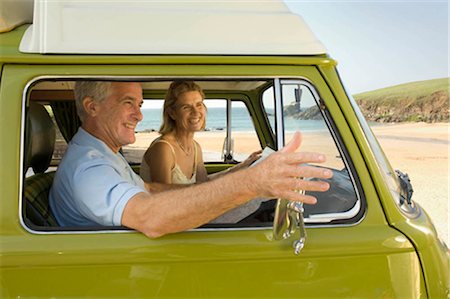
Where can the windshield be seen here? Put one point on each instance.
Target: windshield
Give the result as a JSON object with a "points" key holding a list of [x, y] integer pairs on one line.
{"points": [[389, 175]]}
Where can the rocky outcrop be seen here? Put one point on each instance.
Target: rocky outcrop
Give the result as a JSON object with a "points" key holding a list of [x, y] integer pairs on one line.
{"points": [[430, 108]]}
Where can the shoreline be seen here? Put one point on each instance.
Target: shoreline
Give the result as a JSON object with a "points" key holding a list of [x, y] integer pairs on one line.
{"points": [[419, 149]]}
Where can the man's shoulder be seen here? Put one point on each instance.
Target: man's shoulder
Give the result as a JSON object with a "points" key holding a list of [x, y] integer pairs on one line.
{"points": [[78, 158], [86, 147], [82, 152]]}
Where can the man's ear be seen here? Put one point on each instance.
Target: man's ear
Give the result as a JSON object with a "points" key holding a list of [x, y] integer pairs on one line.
{"points": [[90, 106]]}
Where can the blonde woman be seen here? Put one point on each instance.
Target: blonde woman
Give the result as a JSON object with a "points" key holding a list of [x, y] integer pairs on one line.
{"points": [[175, 157]]}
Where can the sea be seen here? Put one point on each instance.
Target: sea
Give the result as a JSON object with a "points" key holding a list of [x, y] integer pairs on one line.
{"points": [[240, 121]]}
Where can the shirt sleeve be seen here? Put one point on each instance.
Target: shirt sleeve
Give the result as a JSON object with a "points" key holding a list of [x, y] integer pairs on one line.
{"points": [[102, 193]]}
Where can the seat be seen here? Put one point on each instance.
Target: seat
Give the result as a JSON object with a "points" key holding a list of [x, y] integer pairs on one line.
{"points": [[39, 144], [37, 210]]}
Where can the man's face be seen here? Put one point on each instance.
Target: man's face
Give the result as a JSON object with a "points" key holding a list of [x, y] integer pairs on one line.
{"points": [[119, 114]]}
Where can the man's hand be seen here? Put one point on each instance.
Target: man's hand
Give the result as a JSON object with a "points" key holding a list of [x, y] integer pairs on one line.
{"points": [[282, 173]]}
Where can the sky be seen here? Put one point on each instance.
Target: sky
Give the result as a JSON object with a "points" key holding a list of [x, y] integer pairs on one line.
{"points": [[381, 43]]}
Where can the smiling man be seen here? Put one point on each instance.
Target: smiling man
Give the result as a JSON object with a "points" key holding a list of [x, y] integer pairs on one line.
{"points": [[94, 185], [94, 182]]}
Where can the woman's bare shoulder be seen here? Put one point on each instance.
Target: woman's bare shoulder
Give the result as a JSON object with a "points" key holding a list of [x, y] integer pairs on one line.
{"points": [[160, 149], [197, 144]]}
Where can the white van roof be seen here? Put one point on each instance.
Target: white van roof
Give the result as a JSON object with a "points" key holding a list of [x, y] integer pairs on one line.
{"points": [[231, 27]]}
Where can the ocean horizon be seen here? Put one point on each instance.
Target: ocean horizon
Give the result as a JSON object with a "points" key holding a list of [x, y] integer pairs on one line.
{"points": [[216, 121]]}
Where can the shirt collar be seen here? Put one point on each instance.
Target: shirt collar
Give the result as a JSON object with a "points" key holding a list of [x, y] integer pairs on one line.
{"points": [[85, 138]]}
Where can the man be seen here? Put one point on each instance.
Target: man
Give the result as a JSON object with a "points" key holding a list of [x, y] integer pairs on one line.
{"points": [[94, 185]]}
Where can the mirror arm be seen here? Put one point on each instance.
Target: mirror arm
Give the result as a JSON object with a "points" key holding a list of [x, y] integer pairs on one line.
{"points": [[288, 218], [297, 207]]}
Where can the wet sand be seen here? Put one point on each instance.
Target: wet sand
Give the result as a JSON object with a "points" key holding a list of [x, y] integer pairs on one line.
{"points": [[418, 149]]}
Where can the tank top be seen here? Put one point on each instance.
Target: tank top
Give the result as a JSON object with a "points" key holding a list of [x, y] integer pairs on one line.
{"points": [[178, 177]]}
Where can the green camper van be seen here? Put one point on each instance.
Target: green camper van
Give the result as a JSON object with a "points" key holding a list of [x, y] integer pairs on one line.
{"points": [[265, 75]]}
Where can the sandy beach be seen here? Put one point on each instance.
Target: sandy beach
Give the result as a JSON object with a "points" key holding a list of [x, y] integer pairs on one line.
{"points": [[421, 150]]}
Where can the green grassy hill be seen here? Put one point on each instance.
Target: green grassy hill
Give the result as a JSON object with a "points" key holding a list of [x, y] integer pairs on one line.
{"points": [[426, 101]]}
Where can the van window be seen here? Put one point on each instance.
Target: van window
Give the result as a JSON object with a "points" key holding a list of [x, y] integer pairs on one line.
{"points": [[242, 135], [302, 111], [241, 118]]}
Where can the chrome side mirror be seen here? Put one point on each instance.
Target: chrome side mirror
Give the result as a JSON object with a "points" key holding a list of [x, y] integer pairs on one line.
{"points": [[289, 217]]}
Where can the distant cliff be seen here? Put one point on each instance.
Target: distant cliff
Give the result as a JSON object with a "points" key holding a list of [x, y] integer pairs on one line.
{"points": [[426, 101]]}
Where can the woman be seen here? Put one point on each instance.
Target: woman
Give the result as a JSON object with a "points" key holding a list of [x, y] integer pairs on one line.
{"points": [[175, 157]]}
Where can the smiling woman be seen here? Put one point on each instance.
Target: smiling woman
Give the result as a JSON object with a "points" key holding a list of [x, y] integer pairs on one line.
{"points": [[175, 157]]}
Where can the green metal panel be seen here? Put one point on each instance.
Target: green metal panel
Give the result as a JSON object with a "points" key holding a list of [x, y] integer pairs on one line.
{"points": [[362, 262]]}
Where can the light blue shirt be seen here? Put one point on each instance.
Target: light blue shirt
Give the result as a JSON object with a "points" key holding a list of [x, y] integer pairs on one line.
{"points": [[92, 184]]}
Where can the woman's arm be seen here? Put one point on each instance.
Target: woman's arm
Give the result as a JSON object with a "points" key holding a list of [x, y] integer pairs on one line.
{"points": [[160, 159]]}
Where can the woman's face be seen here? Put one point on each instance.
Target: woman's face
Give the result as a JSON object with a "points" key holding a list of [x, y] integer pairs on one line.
{"points": [[189, 112]]}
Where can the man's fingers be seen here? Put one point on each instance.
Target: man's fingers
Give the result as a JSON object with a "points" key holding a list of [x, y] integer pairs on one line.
{"points": [[306, 185], [295, 185], [304, 157], [295, 196], [295, 142], [290, 189], [309, 171]]}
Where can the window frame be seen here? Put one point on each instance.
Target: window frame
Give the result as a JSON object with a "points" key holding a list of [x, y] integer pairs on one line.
{"points": [[358, 211], [249, 104]]}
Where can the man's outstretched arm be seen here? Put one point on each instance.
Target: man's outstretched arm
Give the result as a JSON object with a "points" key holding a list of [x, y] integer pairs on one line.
{"points": [[276, 177]]}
